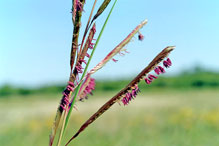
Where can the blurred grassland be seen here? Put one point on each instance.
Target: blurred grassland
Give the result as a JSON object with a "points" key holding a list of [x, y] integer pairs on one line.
{"points": [[181, 110], [193, 80], [164, 118]]}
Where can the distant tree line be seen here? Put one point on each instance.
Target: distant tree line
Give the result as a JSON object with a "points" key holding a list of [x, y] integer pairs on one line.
{"points": [[197, 78]]}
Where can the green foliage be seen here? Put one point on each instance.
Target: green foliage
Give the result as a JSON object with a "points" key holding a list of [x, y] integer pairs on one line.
{"points": [[7, 90], [187, 80]]}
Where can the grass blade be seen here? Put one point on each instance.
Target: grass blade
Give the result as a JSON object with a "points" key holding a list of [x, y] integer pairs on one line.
{"points": [[101, 9]]}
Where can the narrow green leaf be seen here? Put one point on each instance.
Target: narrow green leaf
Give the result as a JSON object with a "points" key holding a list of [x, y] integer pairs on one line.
{"points": [[101, 9]]}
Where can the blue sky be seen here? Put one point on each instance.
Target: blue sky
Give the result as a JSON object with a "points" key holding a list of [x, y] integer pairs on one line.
{"points": [[35, 38]]}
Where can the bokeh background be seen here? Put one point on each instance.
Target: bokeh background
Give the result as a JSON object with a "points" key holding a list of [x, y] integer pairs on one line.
{"points": [[180, 108]]}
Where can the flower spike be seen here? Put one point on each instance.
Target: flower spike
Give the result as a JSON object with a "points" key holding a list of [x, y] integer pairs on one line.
{"points": [[125, 91], [66, 93], [76, 18], [118, 48]]}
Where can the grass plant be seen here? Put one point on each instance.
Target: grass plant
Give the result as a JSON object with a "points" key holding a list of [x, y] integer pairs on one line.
{"points": [[81, 83]]}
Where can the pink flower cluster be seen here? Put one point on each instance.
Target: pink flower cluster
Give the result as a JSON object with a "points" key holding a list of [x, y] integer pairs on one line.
{"points": [[167, 63], [130, 95], [88, 89], [150, 78], [66, 93], [158, 70], [79, 5], [79, 67]]}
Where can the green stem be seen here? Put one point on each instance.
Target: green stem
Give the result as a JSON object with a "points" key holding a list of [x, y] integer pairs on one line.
{"points": [[85, 70], [62, 130]]}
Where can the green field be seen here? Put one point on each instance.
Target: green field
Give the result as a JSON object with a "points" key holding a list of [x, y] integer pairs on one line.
{"points": [[167, 118]]}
